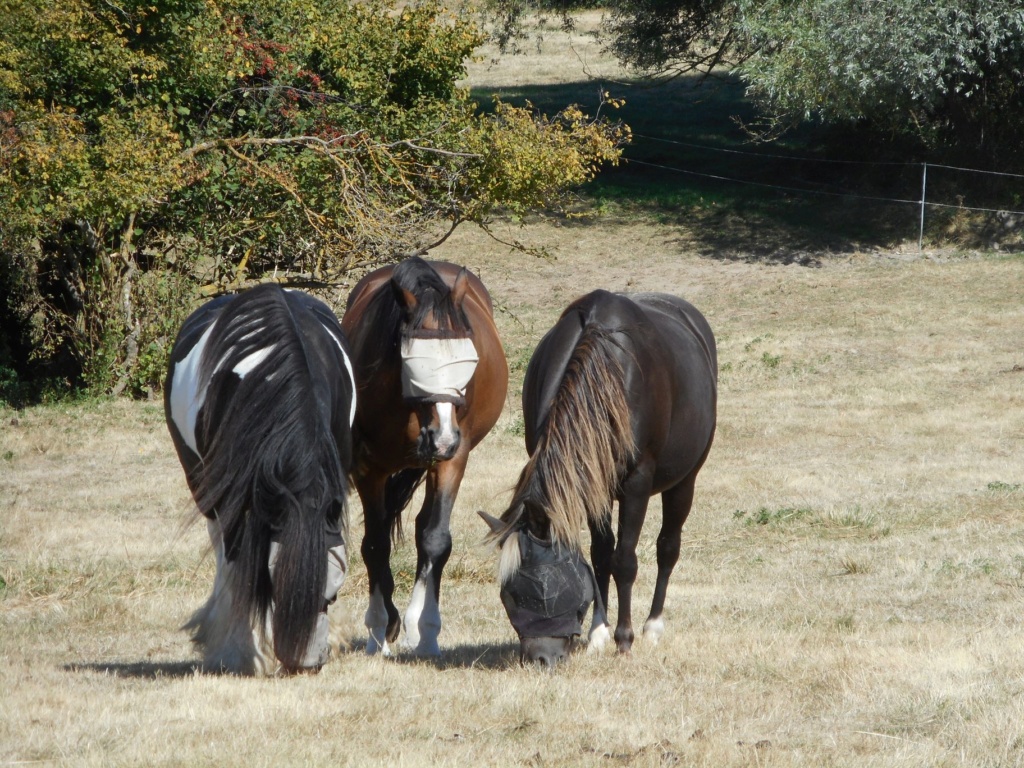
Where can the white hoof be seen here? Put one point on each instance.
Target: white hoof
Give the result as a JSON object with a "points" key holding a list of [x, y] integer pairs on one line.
{"points": [[599, 639], [653, 630], [376, 643], [424, 647]]}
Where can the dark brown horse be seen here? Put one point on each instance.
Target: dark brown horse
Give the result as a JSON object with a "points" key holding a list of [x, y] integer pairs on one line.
{"points": [[432, 378], [619, 403]]}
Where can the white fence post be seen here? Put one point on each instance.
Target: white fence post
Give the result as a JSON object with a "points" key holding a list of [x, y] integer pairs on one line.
{"points": [[924, 186]]}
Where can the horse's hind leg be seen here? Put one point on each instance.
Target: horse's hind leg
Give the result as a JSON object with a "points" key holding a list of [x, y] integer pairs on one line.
{"points": [[676, 503], [632, 511], [382, 620]]}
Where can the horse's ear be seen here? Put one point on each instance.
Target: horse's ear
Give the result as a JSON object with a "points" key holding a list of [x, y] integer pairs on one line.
{"points": [[460, 287], [404, 297], [492, 522], [499, 530]]}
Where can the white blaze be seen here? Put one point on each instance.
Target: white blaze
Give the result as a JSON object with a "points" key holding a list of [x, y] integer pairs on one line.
{"points": [[445, 437]]}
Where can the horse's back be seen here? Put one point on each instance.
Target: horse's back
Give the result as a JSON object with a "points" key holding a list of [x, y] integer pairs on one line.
{"points": [[685, 328], [666, 351], [206, 352]]}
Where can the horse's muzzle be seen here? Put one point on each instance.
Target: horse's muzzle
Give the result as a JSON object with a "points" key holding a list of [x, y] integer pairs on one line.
{"points": [[435, 445], [546, 652]]}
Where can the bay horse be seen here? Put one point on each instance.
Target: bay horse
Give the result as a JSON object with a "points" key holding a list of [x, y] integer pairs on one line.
{"points": [[619, 402], [432, 380], [259, 400]]}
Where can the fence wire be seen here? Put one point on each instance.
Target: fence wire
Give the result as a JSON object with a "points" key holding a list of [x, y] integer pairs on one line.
{"points": [[922, 201]]}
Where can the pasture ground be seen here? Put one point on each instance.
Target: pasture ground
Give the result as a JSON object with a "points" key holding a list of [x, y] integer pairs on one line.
{"points": [[850, 590]]}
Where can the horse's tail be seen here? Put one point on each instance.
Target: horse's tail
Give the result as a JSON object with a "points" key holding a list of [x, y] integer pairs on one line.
{"points": [[584, 444], [272, 475], [398, 492]]}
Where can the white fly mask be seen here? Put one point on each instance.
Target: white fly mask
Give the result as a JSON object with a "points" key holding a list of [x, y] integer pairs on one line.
{"points": [[437, 370]]}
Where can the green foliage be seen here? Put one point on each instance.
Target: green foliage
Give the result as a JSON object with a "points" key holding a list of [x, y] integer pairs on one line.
{"points": [[998, 486], [948, 70], [664, 37], [946, 73], [154, 153]]}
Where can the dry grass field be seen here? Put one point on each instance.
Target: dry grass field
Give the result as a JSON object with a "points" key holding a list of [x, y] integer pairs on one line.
{"points": [[851, 590]]}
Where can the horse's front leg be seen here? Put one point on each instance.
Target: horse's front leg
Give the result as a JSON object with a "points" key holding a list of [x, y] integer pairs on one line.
{"points": [[632, 511], [433, 547], [382, 620], [602, 547]]}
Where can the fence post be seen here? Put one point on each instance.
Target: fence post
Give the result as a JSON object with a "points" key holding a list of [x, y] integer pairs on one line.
{"points": [[924, 186]]}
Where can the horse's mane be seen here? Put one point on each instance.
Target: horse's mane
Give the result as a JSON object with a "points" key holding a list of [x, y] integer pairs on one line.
{"points": [[584, 444], [271, 465], [387, 316]]}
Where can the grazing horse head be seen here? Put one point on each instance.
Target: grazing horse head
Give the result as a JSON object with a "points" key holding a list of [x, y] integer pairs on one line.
{"points": [[546, 590], [260, 398], [432, 379], [619, 402]]}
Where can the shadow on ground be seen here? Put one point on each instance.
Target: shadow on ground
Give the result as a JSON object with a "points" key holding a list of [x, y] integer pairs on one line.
{"points": [[142, 670], [474, 656], [819, 190]]}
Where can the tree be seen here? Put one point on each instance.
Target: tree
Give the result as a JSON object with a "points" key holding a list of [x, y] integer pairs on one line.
{"points": [[155, 150], [948, 72]]}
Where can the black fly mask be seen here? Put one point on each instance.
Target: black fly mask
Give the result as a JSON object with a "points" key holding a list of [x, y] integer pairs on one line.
{"points": [[550, 594]]}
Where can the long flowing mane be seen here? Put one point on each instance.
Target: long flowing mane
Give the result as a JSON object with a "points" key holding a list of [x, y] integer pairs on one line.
{"points": [[271, 466], [584, 443]]}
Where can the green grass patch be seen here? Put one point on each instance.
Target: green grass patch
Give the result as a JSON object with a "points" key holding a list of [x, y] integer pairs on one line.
{"points": [[517, 427], [691, 162], [773, 517], [998, 486]]}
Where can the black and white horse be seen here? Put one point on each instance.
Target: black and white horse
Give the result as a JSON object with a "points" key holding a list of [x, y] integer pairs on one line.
{"points": [[260, 399]]}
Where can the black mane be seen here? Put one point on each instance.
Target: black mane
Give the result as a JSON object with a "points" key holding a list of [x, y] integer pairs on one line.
{"points": [[387, 315]]}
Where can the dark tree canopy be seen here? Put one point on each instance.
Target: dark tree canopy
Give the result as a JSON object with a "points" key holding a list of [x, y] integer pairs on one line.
{"points": [[950, 73]]}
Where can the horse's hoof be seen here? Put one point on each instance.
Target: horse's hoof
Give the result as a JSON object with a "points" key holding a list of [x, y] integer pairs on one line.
{"points": [[599, 639], [375, 647], [653, 630], [419, 646], [624, 642]]}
